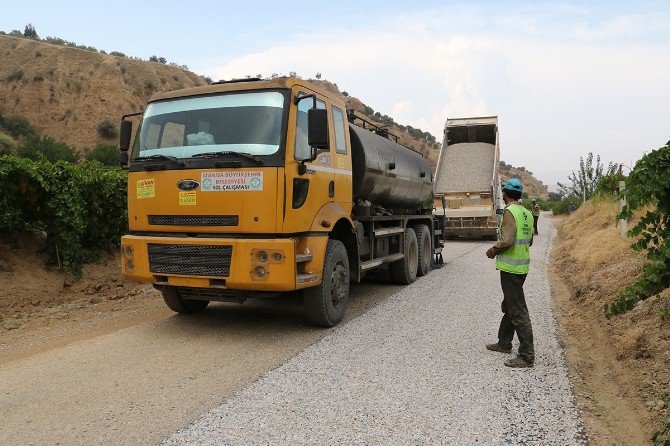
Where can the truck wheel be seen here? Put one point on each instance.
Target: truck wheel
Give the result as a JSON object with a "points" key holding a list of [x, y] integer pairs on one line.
{"points": [[425, 252], [403, 271], [326, 303], [174, 300]]}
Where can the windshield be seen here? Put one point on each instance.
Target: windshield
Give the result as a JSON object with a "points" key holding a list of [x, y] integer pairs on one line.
{"points": [[232, 122]]}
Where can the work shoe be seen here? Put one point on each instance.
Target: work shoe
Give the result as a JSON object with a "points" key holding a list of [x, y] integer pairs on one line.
{"points": [[499, 348], [518, 363]]}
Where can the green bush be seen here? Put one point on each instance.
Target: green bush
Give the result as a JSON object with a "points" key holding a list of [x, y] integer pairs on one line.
{"points": [[7, 146], [107, 129], [47, 148], [608, 185], [648, 186], [562, 207], [82, 208], [16, 126], [106, 154]]}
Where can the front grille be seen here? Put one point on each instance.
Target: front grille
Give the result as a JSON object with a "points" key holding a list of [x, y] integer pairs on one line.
{"points": [[190, 260], [194, 220]]}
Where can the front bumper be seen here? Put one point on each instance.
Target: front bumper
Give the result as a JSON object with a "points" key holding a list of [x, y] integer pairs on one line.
{"points": [[255, 264]]}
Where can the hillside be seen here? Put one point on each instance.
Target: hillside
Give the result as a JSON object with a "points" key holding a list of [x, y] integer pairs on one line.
{"points": [[65, 92], [532, 186]]}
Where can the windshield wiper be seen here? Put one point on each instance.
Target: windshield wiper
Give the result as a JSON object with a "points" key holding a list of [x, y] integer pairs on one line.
{"points": [[224, 153], [161, 157]]}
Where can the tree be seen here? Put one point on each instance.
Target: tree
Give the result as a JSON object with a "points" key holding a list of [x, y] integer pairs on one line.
{"points": [[555, 196], [318, 75], [30, 31], [292, 74], [153, 58], [162, 60], [583, 182]]}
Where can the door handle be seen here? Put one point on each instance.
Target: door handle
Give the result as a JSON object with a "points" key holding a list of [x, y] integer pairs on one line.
{"points": [[331, 189]]}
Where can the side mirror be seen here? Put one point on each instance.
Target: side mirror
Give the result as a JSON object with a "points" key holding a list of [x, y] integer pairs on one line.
{"points": [[123, 159], [317, 128], [125, 132]]}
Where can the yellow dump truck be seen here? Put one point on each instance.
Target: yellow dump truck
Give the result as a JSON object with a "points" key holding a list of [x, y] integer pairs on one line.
{"points": [[466, 178], [254, 188]]}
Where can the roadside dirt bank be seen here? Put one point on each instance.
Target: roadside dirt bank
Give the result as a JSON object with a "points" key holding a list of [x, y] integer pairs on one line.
{"points": [[620, 367]]}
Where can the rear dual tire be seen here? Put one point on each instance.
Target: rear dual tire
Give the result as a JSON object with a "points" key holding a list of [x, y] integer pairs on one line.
{"points": [[425, 249], [403, 271]]}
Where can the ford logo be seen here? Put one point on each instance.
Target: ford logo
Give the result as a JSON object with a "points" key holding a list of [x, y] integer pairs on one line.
{"points": [[188, 185]]}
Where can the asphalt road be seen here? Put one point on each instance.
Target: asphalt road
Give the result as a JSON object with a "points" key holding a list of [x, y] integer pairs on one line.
{"points": [[159, 373]]}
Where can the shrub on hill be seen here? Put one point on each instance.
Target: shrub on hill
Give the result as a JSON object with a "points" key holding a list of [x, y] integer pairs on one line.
{"points": [[16, 126], [107, 129], [7, 146], [105, 154], [47, 148]]}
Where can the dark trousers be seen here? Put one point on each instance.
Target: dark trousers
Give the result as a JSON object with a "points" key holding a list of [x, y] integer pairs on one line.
{"points": [[515, 316], [535, 217]]}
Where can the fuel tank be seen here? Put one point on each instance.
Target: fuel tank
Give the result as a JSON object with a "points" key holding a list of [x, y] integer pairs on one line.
{"points": [[386, 173]]}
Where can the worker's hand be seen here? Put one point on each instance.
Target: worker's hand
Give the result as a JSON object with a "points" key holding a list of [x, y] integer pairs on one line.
{"points": [[490, 254]]}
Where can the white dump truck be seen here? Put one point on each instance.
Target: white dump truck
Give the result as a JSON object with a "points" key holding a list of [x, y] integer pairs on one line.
{"points": [[466, 178]]}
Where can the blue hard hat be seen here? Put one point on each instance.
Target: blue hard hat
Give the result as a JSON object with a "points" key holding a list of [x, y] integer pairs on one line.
{"points": [[513, 184]]}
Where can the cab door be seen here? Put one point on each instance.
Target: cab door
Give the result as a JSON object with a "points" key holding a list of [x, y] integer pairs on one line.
{"points": [[306, 193], [341, 157]]}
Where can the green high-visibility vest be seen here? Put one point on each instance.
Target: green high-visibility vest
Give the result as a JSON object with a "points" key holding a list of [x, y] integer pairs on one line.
{"points": [[516, 258]]}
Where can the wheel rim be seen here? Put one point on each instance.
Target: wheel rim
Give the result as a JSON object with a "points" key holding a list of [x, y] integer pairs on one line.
{"points": [[338, 284]]}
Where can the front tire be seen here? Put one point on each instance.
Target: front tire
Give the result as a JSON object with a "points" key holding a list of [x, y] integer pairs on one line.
{"points": [[325, 304], [403, 271], [174, 300]]}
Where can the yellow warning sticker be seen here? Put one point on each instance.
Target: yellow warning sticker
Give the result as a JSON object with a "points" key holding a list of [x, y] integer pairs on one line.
{"points": [[340, 162], [146, 188], [187, 198]]}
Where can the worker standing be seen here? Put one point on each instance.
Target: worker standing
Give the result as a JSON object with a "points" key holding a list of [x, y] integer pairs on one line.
{"points": [[536, 214], [512, 253]]}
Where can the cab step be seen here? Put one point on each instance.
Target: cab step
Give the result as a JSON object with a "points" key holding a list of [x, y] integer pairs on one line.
{"points": [[303, 257]]}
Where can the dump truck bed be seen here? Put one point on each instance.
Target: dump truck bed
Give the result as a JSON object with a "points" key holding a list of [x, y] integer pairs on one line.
{"points": [[467, 176]]}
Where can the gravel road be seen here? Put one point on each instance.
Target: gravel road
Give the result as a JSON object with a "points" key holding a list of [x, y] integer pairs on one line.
{"points": [[139, 373], [413, 371]]}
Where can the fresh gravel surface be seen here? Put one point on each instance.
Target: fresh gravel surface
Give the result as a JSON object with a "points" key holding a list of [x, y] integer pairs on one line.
{"points": [[414, 371], [466, 167]]}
